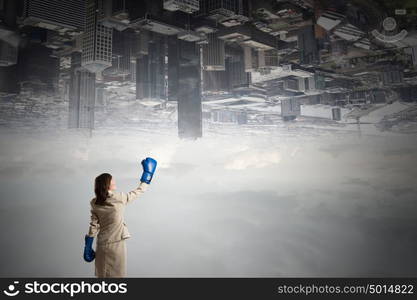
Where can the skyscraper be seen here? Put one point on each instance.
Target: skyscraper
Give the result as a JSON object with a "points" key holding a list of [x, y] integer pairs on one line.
{"points": [[121, 54], [8, 54], [59, 15], [97, 40], [9, 41], [157, 53], [82, 95], [214, 54], [151, 69], [189, 91], [307, 44]]}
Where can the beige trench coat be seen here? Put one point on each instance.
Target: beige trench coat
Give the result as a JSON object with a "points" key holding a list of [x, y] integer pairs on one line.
{"points": [[108, 225]]}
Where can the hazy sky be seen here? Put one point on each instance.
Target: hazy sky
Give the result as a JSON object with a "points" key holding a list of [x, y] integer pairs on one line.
{"points": [[235, 203]]}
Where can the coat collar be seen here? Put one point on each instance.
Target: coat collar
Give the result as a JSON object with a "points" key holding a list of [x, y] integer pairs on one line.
{"points": [[111, 193]]}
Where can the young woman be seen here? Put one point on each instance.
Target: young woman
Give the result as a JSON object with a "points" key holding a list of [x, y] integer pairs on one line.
{"points": [[107, 222]]}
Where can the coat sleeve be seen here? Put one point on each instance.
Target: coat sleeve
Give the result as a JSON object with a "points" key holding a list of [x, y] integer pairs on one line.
{"points": [[94, 225], [132, 195]]}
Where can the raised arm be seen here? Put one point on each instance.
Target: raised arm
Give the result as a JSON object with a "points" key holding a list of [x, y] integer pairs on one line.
{"points": [[149, 166], [132, 195]]}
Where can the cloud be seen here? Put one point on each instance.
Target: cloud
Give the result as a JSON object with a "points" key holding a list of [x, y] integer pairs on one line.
{"points": [[252, 159]]}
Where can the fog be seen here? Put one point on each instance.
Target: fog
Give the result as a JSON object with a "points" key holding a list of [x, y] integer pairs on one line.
{"points": [[241, 201]]}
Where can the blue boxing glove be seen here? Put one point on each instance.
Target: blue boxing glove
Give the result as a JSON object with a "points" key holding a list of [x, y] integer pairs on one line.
{"points": [[149, 166], [89, 253]]}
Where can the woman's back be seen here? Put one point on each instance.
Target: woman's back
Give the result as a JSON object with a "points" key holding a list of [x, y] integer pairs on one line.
{"points": [[108, 219]]}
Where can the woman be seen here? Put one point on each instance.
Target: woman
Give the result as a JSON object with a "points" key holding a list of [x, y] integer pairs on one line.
{"points": [[107, 223]]}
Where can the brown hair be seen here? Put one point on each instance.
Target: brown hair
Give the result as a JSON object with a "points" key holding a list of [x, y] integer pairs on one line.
{"points": [[101, 187]]}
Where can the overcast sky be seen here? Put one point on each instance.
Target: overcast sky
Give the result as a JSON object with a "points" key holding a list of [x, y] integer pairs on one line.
{"points": [[234, 203]]}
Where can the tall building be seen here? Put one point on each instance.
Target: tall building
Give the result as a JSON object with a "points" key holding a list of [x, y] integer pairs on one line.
{"points": [[157, 66], [82, 95], [8, 50], [8, 12], [214, 54], [87, 98], [74, 101], [115, 14], [9, 38], [152, 69], [143, 88], [184, 86], [9, 80], [216, 81], [59, 15], [37, 65], [8, 54], [133, 61], [248, 59], [138, 48], [307, 44], [121, 54], [235, 68], [233, 76], [97, 40], [190, 114]]}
